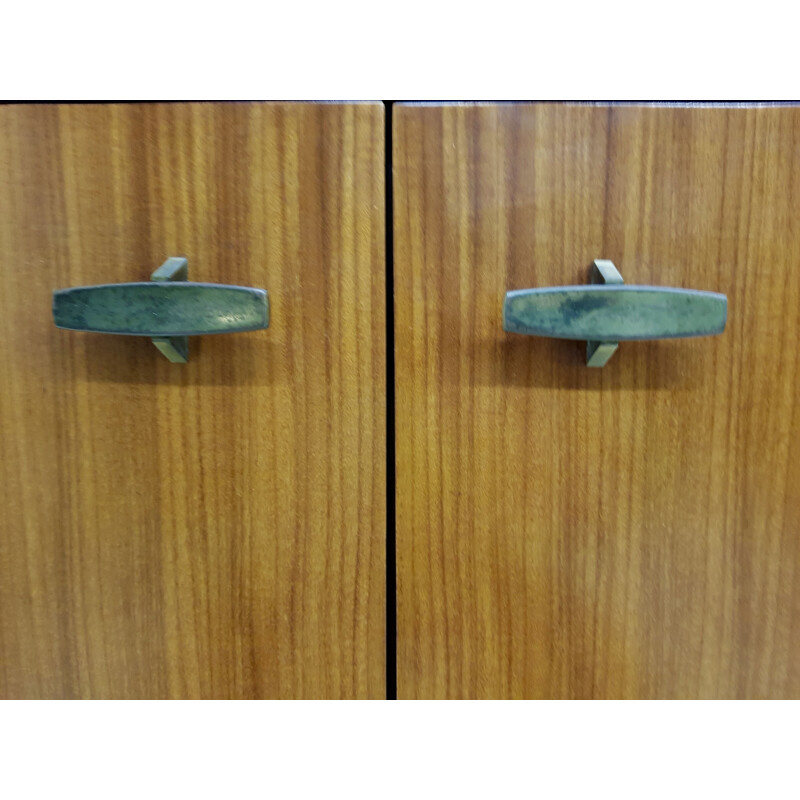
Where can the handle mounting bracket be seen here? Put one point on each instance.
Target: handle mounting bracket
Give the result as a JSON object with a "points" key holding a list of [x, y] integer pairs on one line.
{"points": [[607, 311], [168, 309]]}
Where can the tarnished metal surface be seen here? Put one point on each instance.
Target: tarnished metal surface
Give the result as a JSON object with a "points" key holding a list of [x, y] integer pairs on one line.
{"points": [[598, 353], [161, 308], [607, 312], [174, 348], [615, 313], [168, 309]]}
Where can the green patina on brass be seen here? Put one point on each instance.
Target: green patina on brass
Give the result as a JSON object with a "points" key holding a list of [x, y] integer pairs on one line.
{"points": [[612, 312], [173, 348], [161, 309], [615, 313], [168, 309]]}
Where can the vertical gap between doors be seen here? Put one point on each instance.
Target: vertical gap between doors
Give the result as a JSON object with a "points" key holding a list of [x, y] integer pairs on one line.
{"points": [[391, 537]]}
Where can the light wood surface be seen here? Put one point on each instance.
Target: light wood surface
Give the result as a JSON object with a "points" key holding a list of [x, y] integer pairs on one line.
{"points": [[215, 529], [565, 532]]}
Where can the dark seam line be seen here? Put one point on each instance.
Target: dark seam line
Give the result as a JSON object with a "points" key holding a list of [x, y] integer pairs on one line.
{"points": [[391, 481]]}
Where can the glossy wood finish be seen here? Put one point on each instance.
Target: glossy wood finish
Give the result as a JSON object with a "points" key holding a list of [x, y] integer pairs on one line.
{"points": [[214, 529], [626, 532]]}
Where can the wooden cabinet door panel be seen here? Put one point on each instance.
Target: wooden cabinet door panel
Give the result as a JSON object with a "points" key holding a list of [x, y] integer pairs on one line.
{"points": [[630, 531], [214, 529]]}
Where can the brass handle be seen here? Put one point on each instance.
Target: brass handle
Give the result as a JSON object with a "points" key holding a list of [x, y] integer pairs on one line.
{"points": [[608, 312], [169, 309]]}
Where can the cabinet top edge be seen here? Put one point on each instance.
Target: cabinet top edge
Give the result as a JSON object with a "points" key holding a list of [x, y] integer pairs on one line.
{"points": [[87, 103], [602, 103]]}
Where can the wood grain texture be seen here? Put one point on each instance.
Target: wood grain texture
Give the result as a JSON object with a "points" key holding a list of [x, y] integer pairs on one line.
{"points": [[214, 529], [565, 532]]}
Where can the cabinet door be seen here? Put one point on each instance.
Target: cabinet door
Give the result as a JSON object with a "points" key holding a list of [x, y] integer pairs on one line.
{"points": [[567, 532], [213, 529]]}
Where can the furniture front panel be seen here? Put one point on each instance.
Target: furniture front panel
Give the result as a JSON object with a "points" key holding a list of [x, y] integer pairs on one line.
{"points": [[630, 531], [213, 529]]}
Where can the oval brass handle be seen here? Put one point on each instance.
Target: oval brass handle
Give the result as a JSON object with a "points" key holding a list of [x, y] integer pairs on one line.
{"points": [[609, 312], [168, 309]]}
